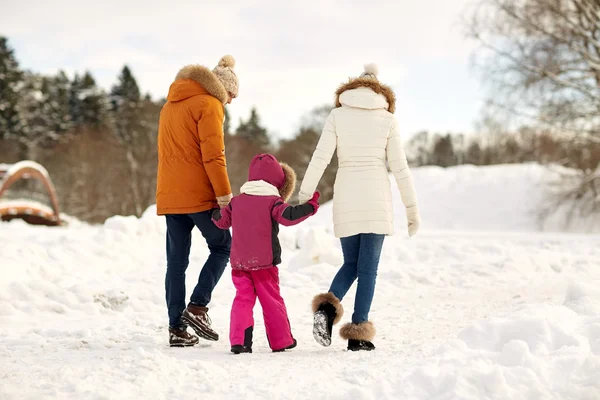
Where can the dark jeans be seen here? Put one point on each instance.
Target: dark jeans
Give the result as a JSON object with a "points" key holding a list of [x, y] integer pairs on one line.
{"points": [[361, 259], [179, 242]]}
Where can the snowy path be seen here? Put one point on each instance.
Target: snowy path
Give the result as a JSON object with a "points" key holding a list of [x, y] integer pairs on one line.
{"points": [[459, 316]]}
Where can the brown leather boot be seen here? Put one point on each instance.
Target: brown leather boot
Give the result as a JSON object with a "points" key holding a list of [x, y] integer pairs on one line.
{"points": [[179, 337], [197, 318]]}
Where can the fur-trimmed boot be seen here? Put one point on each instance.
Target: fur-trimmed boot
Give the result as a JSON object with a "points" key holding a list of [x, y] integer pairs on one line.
{"points": [[359, 336], [328, 311]]}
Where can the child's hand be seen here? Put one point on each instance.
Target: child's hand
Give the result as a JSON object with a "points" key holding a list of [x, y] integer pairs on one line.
{"points": [[314, 201]]}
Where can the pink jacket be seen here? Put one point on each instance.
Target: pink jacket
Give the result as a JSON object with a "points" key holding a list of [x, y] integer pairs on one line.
{"points": [[256, 213]]}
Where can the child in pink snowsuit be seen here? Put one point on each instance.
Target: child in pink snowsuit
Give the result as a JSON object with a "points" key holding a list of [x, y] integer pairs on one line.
{"points": [[255, 216]]}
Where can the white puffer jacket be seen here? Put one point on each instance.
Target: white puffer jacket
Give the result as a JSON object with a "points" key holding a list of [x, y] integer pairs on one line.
{"points": [[365, 134]]}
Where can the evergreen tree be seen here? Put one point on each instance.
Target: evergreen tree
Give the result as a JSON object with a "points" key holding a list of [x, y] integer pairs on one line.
{"points": [[253, 132], [126, 102], [32, 109], [94, 103], [56, 90], [11, 81], [126, 93], [129, 127]]}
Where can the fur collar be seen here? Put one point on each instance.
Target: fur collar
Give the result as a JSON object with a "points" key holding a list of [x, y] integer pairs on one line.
{"points": [[369, 83], [206, 79]]}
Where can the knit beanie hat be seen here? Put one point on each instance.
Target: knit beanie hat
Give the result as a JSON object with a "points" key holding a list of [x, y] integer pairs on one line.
{"points": [[371, 71], [224, 71]]}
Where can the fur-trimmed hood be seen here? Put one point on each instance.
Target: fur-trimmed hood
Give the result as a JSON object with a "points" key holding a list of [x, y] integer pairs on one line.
{"points": [[181, 89], [265, 167], [366, 92]]}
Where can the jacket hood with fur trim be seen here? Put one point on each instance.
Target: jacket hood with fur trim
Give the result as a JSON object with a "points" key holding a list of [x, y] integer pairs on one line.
{"points": [[182, 88], [265, 167], [357, 93]]}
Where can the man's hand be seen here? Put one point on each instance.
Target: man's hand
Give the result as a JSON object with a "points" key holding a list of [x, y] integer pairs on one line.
{"points": [[223, 201]]}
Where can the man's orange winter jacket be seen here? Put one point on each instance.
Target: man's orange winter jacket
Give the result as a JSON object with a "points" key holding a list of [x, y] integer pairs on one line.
{"points": [[192, 171]]}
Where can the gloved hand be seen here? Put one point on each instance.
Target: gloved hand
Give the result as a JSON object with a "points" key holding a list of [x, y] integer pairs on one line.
{"points": [[314, 201], [223, 201], [414, 220]]}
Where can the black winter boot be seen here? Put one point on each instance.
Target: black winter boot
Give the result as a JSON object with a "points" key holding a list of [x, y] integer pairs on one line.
{"points": [[359, 336], [247, 346], [238, 349], [323, 324], [357, 345], [327, 312]]}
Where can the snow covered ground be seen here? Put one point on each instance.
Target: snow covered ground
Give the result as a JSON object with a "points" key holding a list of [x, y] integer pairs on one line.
{"points": [[480, 305]]}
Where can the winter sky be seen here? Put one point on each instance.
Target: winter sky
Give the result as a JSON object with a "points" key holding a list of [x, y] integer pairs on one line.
{"points": [[291, 55]]}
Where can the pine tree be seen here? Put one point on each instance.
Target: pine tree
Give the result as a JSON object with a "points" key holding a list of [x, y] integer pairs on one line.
{"points": [[57, 91], [11, 81], [253, 132], [44, 107], [125, 101], [95, 104], [126, 93], [128, 124], [35, 126]]}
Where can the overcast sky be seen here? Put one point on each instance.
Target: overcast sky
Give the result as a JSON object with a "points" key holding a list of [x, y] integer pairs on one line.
{"points": [[291, 55]]}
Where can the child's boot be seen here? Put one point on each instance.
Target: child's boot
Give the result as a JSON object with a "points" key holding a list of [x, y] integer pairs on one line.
{"points": [[238, 349], [291, 346], [327, 312], [247, 346]]}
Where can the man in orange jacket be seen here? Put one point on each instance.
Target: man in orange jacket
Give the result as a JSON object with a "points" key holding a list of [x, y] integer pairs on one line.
{"points": [[192, 181]]}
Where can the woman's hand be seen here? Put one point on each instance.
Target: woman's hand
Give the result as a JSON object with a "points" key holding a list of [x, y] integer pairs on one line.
{"points": [[414, 220]]}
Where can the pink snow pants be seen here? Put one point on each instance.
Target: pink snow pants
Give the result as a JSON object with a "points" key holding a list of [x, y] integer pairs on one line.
{"points": [[263, 284]]}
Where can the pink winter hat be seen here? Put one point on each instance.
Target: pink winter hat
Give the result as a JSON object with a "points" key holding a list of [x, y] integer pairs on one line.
{"points": [[265, 167]]}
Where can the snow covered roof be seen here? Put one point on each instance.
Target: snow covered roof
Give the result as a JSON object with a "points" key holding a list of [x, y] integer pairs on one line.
{"points": [[10, 169]]}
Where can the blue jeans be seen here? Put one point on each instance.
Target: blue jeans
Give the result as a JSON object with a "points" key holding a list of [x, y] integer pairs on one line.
{"points": [[179, 243], [361, 259]]}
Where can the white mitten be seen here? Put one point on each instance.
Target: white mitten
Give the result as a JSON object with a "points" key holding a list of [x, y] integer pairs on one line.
{"points": [[414, 220]]}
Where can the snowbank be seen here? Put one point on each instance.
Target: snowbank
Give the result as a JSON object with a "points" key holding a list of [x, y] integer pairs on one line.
{"points": [[537, 352]]}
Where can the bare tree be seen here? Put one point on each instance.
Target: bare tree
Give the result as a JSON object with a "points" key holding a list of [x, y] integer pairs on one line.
{"points": [[541, 58]]}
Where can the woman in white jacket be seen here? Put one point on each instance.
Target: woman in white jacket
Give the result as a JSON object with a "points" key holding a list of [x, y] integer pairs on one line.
{"points": [[365, 133]]}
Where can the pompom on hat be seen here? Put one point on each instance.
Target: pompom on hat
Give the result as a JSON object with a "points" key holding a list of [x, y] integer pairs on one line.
{"points": [[371, 71], [224, 71]]}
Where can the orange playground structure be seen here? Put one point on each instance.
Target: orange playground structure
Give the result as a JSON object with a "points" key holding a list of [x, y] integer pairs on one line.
{"points": [[18, 203]]}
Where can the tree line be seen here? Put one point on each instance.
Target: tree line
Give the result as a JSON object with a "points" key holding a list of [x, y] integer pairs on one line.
{"points": [[100, 146]]}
